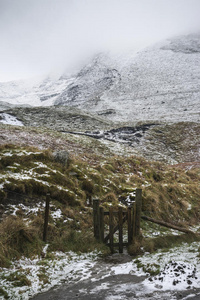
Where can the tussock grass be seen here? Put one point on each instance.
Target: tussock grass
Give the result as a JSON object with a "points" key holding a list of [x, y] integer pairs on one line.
{"points": [[167, 242], [77, 242], [16, 239], [170, 194]]}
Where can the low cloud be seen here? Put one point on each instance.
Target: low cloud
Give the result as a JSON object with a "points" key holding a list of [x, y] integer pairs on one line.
{"points": [[43, 36]]}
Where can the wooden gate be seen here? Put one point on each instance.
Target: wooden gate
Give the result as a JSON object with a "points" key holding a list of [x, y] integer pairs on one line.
{"points": [[132, 215]]}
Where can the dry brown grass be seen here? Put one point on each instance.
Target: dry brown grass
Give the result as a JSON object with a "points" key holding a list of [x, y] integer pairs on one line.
{"points": [[168, 192], [17, 238]]}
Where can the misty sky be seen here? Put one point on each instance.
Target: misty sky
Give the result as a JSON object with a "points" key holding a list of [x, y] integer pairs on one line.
{"points": [[50, 36]]}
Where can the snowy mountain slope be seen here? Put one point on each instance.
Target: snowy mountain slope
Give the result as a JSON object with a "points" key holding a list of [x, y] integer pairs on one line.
{"points": [[40, 92], [161, 82], [91, 82]]}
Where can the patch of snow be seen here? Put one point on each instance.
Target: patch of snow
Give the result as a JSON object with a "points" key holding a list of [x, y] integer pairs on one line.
{"points": [[24, 152], [67, 220], [185, 266], [103, 286], [13, 208], [175, 275], [15, 176], [57, 214], [19, 153], [33, 92], [179, 270], [45, 249], [28, 210], [69, 267], [7, 153], [10, 120], [129, 200]]}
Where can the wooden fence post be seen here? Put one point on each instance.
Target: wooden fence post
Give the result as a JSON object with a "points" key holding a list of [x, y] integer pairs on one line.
{"points": [[133, 222], [46, 218], [111, 229], [120, 215], [129, 225], [138, 200], [96, 219], [101, 219]]}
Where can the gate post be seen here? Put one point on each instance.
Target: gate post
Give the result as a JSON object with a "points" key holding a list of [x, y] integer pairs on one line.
{"points": [[111, 229], [133, 222], [138, 200], [101, 220], [129, 225], [46, 218], [96, 219], [120, 215]]}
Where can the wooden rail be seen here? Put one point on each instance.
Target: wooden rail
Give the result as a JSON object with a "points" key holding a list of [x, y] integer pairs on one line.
{"points": [[166, 224]]}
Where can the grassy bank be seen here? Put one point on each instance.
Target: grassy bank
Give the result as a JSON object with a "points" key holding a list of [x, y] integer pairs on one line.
{"points": [[28, 174]]}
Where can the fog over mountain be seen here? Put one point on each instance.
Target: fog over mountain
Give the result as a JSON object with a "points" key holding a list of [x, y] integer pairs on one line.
{"points": [[160, 82], [40, 37]]}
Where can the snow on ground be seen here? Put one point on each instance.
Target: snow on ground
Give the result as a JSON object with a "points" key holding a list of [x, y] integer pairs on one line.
{"points": [[29, 173], [10, 120], [179, 268], [55, 213], [18, 152], [34, 92], [179, 271], [45, 273]]}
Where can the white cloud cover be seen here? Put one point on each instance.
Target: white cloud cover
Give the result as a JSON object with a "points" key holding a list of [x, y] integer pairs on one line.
{"points": [[43, 36]]}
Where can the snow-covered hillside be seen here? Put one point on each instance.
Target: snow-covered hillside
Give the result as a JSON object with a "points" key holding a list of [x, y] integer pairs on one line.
{"points": [[37, 92], [161, 82]]}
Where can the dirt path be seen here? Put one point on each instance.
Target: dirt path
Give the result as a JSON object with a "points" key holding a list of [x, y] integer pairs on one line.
{"points": [[103, 285]]}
